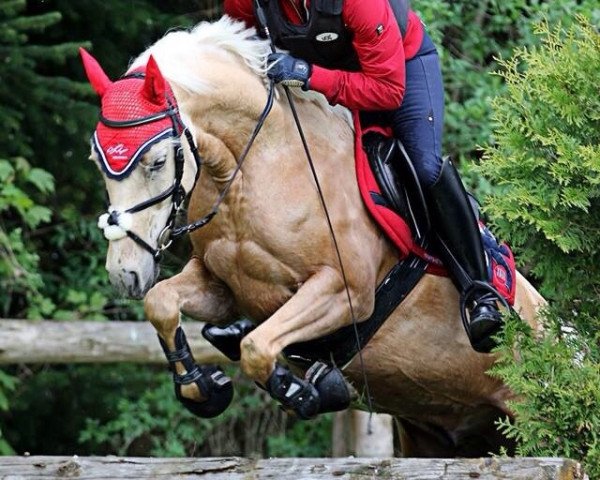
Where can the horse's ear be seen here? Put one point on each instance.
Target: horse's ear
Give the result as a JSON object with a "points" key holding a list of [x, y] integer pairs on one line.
{"points": [[155, 83], [99, 80]]}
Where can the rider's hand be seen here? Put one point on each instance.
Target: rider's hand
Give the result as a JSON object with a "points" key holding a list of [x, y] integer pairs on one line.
{"points": [[288, 70]]}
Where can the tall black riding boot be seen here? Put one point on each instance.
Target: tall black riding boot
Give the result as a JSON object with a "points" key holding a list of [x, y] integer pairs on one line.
{"points": [[462, 251]]}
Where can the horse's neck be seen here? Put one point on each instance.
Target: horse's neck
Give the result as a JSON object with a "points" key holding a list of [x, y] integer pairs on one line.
{"points": [[229, 112], [223, 118]]}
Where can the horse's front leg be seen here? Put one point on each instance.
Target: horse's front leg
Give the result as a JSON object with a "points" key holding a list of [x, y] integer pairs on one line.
{"points": [[204, 390], [318, 308]]}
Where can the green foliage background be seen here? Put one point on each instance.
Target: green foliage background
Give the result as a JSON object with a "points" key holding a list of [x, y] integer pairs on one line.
{"points": [[51, 253], [546, 163]]}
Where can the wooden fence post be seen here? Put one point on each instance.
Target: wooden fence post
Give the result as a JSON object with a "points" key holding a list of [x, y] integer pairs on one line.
{"points": [[351, 436]]}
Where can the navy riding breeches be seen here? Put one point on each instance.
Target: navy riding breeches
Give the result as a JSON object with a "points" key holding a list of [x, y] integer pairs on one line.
{"points": [[418, 123]]}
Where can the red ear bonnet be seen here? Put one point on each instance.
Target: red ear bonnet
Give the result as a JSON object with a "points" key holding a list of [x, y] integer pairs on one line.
{"points": [[127, 128]]}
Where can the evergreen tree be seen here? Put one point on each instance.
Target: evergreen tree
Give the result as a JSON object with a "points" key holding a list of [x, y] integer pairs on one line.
{"points": [[24, 187], [547, 161], [29, 99], [19, 212]]}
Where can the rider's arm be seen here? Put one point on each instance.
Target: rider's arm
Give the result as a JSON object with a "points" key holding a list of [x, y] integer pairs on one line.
{"points": [[380, 83]]}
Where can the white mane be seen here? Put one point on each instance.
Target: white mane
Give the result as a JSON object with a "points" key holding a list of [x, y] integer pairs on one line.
{"points": [[175, 52]]}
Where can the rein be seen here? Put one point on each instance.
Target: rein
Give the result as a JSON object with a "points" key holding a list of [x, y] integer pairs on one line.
{"points": [[215, 208]]}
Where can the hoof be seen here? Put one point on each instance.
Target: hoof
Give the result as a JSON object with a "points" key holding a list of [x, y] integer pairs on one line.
{"points": [[214, 385]]}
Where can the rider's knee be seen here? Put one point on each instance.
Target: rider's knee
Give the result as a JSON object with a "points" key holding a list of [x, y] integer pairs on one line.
{"points": [[428, 165]]}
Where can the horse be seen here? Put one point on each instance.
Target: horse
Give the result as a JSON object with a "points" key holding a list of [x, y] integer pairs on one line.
{"points": [[266, 252]]}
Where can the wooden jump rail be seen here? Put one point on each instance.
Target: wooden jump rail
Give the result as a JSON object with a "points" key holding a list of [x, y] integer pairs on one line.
{"points": [[46, 468], [45, 341]]}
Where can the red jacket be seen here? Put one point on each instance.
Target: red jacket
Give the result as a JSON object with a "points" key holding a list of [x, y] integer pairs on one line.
{"points": [[380, 83]]}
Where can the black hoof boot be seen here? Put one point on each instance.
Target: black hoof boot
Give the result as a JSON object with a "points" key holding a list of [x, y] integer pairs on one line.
{"points": [[293, 393], [323, 390], [331, 385], [213, 384], [227, 340], [485, 322]]}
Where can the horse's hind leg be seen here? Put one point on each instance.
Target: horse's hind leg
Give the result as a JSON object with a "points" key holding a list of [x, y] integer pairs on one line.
{"points": [[204, 390], [319, 307]]}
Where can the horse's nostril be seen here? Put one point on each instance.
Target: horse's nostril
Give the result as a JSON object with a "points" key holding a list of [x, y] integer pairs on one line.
{"points": [[133, 281]]}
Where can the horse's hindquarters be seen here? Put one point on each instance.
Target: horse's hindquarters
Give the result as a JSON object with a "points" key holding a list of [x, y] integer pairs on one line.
{"points": [[420, 364]]}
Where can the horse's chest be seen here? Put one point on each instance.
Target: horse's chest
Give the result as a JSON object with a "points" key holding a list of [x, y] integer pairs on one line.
{"points": [[260, 282]]}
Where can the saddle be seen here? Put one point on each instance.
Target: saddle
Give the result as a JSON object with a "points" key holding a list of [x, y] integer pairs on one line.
{"points": [[389, 163]]}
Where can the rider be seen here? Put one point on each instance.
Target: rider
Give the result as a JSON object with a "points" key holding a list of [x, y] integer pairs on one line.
{"points": [[375, 57]]}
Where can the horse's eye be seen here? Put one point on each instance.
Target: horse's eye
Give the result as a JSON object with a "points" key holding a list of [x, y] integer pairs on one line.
{"points": [[157, 164]]}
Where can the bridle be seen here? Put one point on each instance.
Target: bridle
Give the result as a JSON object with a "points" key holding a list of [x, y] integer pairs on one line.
{"points": [[176, 191]]}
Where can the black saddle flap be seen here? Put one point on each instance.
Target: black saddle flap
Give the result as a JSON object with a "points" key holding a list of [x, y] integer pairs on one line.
{"points": [[398, 181]]}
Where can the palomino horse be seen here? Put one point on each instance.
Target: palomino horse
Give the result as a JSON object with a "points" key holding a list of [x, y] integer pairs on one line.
{"points": [[267, 255]]}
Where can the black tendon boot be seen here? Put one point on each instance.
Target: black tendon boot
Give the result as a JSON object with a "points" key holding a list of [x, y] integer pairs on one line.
{"points": [[463, 255]]}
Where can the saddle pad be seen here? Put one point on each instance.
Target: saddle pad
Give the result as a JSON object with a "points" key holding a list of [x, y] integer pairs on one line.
{"points": [[501, 263], [392, 224]]}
